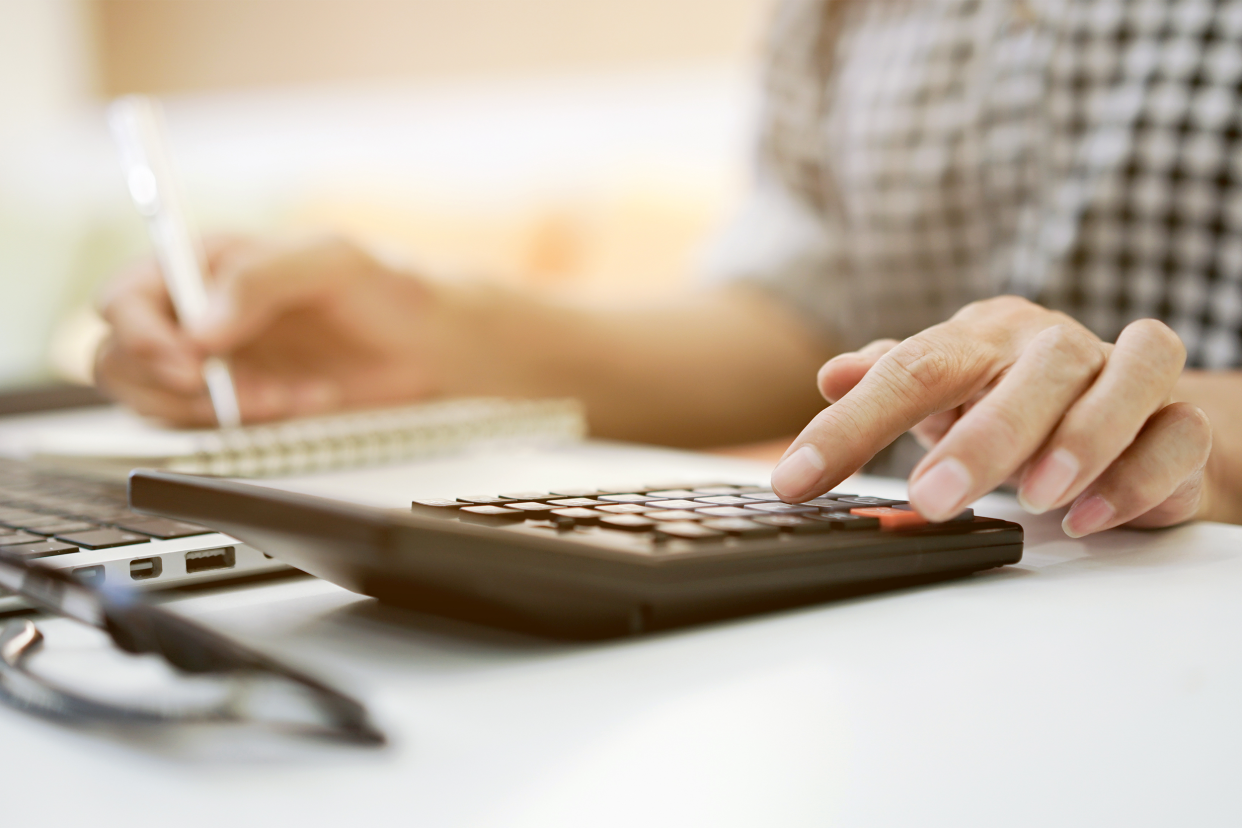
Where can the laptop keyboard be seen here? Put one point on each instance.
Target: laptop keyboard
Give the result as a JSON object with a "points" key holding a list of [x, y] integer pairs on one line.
{"points": [[44, 513]]}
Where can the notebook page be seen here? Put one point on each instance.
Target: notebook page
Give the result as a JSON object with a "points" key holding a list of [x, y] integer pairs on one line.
{"points": [[120, 440]]}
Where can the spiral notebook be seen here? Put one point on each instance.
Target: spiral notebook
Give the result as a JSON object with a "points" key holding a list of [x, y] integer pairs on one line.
{"points": [[112, 441]]}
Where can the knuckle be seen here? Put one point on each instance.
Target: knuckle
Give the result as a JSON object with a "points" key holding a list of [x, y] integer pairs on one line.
{"points": [[919, 368], [998, 304], [1071, 344]]}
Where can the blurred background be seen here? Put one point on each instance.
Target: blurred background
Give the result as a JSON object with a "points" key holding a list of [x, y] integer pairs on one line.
{"points": [[584, 146]]}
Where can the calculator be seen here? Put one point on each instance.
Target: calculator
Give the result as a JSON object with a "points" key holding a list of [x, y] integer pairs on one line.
{"points": [[588, 563]]}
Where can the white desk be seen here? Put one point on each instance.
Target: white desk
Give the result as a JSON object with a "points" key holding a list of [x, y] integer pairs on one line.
{"points": [[1098, 683]]}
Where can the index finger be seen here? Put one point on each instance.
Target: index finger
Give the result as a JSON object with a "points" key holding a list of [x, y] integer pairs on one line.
{"points": [[926, 374]]}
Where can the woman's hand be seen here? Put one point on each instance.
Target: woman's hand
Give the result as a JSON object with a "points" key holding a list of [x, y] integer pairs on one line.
{"points": [[1007, 390], [308, 327]]}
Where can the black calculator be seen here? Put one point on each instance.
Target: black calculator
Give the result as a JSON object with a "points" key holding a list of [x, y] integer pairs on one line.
{"points": [[587, 563]]}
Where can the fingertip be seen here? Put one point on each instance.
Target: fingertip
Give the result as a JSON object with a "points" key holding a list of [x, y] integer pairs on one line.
{"points": [[795, 477], [1088, 516]]}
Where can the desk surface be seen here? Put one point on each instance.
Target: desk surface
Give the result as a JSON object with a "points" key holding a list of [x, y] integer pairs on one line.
{"points": [[1097, 683]]}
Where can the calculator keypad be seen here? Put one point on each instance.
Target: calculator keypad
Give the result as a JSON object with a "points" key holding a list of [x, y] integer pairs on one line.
{"points": [[671, 517]]}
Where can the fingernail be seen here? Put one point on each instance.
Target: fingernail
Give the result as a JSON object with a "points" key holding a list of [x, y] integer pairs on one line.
{"points": [[939, 493], [1048, 481], [1087, 516], [797, 473]]}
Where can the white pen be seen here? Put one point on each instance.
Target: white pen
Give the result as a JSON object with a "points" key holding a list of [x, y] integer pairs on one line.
{"points": [[137, 124]]}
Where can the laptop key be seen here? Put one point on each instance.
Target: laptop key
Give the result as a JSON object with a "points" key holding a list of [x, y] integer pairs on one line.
{"points": [[163, 528], [103, 538], [62, 527], [19, 538], [44, 549]]}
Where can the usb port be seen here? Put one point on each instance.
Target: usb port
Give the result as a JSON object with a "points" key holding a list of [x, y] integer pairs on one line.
{"points": [[89, 575], [142, 569], [205, 560]]}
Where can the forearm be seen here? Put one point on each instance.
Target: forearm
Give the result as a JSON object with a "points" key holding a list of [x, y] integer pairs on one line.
{"points": [[709, 368], [1219, 394]]}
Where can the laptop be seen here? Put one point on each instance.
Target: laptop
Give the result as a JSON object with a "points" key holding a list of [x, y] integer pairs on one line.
{"points": [[82, 523]]}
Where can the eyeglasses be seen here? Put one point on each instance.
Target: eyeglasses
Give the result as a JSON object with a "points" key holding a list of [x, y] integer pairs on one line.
{"points": [[260, 689]]}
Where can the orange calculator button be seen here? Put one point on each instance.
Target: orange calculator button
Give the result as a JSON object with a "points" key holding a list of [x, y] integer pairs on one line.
{"points": [[891, 518]]}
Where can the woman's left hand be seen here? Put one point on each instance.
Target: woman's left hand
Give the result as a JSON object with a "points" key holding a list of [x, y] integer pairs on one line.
{"points": [[1008, 390]]}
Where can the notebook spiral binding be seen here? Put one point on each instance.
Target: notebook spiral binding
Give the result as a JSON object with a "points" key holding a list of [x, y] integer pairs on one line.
{"points": [[383, 436]]}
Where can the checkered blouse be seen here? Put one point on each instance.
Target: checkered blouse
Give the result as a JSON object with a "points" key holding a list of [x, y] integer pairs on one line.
{"points": [[919, 154]]}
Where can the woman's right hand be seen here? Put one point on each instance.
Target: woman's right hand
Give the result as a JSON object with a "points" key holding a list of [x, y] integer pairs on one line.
{"points": [[308, 327]]}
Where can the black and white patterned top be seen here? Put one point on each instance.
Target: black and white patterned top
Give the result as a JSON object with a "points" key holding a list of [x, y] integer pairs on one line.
{"points": [[917, 155]]}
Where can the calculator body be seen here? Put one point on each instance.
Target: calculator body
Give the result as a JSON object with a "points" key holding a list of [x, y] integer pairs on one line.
{"points": [[572, 579]]}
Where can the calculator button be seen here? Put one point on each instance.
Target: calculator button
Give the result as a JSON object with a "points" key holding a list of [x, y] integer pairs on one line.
{"points": [[770, 497], [846, 520], [783, 508], [482, 500], [528, 496], [689, 531], [625, 508], [437, 503], [103, 538], [575, 492], [724, 500], [491, 514], [529, 506], [891, 518], [671, 514], [629, 523], [672, 493], [578, 515], [727, 512], [568, 502], [795, 524], [741, 526], [965, 514], [676, 504], [628, 497], [862, 500], [711, 491], [829, 500]]}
